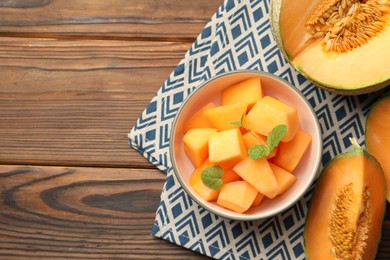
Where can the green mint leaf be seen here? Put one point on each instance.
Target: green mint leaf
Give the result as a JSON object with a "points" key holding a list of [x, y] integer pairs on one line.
{"points": [[258, 151], [212, 177], [239, 123], [275, 136]]}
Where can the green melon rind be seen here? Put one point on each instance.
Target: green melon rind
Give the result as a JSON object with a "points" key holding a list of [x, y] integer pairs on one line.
{"points": [[355, 151]]}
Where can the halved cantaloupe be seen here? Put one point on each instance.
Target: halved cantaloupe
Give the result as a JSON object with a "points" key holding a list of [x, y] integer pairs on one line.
{"points": [[199, 119], [237, 196], [221, 117], [196, 142], [248, 91], [340, 47], [378, 136], [347, 209], [259, 174], [270, 112], [197, 184], [290, 153], [226, 148]]}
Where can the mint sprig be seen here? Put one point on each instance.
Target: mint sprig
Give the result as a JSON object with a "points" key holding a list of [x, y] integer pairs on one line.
{"points": [[273, 140], [212, 177]]}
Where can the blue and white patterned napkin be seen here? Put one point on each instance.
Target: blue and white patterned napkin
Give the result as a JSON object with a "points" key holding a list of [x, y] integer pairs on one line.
{"points": [[238, 36]]}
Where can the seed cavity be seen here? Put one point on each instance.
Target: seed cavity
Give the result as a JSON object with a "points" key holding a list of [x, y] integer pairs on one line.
{"points": [[347, 24], [349, 227]]}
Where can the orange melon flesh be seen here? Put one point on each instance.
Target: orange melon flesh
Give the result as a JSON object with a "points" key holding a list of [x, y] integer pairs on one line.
{"points": [[363, 172], [226, 148], [290, 153], [259, 198], [356, 69], [197, 184], [251, 140], [270, 112], [196, 144], [229, 175], [378, 136], [237, 196], [248, 91], [284, 178], [199, 119], [221, 117], [259, 174]]}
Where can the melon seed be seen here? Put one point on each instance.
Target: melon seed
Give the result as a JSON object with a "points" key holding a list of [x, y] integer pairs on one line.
{"points": [[351, 22]]}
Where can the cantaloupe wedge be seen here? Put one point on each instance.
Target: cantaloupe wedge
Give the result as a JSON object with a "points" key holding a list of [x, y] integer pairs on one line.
{"points": [[270, 112], [199, 119], [284, 178], [258, 200], [252, 139], [290, 153], [196, 144], [259, 174], [197, 184], [226, 148], [237, 196], [221, 117], [248, 91], [229, 175]]}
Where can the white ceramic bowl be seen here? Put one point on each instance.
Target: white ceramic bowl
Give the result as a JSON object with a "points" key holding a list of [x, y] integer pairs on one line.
{"points": [[306, 171]]}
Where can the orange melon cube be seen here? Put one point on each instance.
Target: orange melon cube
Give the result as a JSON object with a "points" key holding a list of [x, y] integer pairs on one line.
{"points": [[197, 184], [196, 144], [226, 148], [290, 154], [259, 174], [199, 119], [258, 200], [285, 179], [252, 139], [270, 112], [248, 91], [229, 175], [221, 117], [237, 196]]}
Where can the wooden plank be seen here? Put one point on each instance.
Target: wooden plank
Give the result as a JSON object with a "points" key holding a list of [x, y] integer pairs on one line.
{"points": [[174, 19], [81, 213], [72, 102], [71, 212]]}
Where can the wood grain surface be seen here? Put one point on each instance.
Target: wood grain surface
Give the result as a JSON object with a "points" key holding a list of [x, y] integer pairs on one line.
{"points": [[74, 77]]}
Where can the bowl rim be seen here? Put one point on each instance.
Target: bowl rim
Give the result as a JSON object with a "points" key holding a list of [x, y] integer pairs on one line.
{"points": [[242, 216]]}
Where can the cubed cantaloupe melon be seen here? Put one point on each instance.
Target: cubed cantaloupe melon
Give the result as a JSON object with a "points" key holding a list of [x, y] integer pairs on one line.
{"points": [[290, 153], [270, 112], [252, 139], [227, 148], [258, 200], [248, 91], [229, 175], [221, 117], [237, 196], [199, 119], [196, 144], [259, 174], [197, 184], [284, 178]]}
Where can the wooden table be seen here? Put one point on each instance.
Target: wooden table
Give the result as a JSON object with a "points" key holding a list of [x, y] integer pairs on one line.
{"points": [[75, 75]]}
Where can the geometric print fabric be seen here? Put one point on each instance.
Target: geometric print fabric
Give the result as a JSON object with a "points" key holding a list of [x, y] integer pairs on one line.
{"points": [[238, 36]]}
